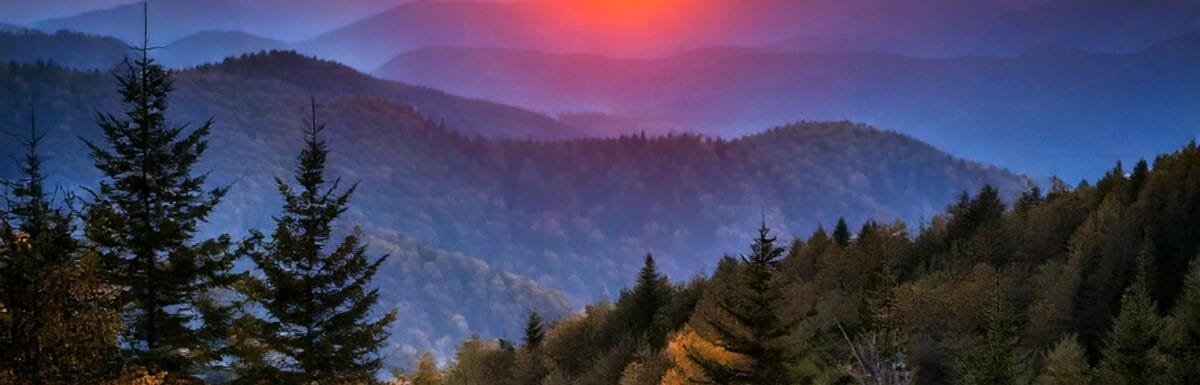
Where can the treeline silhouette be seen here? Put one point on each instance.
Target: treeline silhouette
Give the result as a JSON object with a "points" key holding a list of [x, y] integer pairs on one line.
{"points": [[1091, 284]]}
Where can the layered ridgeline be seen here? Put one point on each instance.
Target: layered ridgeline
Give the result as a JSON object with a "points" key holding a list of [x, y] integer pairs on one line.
{"points": [[573, 215], [367, 33], [986, 106], [306, 76]]}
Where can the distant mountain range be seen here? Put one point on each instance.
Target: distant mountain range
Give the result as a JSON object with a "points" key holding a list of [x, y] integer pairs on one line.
{"points": [[366, 33], [988, 107], [317, 77], [170, 20], [520, 220], [1000, 110], [71, 49], [941, 28], [214, 46], [10, 28]]}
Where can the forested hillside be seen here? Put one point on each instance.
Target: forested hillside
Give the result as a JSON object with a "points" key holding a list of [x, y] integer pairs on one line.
{"points": [[287, 70], [555, 211], [572, 216], [1088, 284]]}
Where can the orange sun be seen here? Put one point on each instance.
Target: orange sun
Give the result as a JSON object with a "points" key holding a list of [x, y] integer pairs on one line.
{"points": [[625, 27], [622, 14]]}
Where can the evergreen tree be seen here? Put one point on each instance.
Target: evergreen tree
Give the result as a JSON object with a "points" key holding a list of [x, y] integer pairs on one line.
{"points": [[750, 322], [57, 324], [1065, 364], [1182, 339], [999, 359], [143, 220], [841, 233], [651, 292], [529, 368], [316, 295], [1132, 355], [534, 332]]}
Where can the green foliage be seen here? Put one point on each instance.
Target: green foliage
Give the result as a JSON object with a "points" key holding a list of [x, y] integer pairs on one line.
{"points": [[1182, 339], [1065, 364], [530, 364], [534, 333], [999, 359], [315, 293], [841, 233], [751, 321], [650, 294], [57, 320], [1132, 355]]}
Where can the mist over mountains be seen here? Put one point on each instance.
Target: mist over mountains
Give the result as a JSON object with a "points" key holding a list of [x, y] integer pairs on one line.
{"points": [[521, 222], [1021, 74], [990, 108]]}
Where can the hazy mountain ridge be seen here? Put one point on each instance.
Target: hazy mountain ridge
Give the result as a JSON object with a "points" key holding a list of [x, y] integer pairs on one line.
{"points": [[71, 49], [5, 27], [170, 20], [537, 202], [214, 46], [1024, 103], [367, 33]]}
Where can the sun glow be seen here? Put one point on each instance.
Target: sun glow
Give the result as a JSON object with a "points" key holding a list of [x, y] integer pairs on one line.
{"points": [[624, 27], [618, 13]]}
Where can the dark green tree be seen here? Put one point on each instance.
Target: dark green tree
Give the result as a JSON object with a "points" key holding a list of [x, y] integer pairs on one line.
{"points": [[1132, 355], [58, 326], [529, 368], [1182, 339], [750, 321], [143, 220], [651, 292], [534, 331], [317, 295], [841, 233], [999, 359]]}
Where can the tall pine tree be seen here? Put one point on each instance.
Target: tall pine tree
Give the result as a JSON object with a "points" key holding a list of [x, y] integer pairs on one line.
{"points": [[143, 219], [58, 327], [1182, 339], [528, 368], [999, 359], [1132, 355], [841, 233], [317, 295], [651, 292], [751, 322]]}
